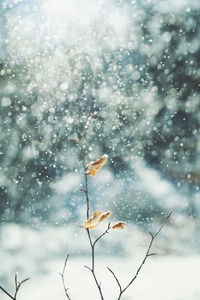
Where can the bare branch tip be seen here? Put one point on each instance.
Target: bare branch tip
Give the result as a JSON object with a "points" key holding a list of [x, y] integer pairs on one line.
{"points": [[26, 279], [88, 268], [151, 234], [67, 258]]}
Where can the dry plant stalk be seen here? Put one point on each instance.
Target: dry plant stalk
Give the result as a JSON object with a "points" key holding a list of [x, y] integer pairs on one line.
{"points": [[92, 222], [17, 287]]}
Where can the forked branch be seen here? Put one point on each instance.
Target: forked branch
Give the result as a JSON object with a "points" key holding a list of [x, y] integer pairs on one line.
{"points": [[104, 233], [122, 290], [17, 287]]}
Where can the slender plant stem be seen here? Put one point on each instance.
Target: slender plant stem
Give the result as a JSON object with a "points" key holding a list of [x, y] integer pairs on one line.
{"points": [[87, 197], [92, 244], [86, 182], [117, 280], [122, 290], [63, 280]]}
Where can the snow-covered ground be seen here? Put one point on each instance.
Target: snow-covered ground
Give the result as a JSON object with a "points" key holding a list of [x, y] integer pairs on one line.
{"points": [[40, 254], [166, 278]]}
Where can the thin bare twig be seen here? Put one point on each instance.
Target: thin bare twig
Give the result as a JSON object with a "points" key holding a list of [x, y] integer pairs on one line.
{"points": [[122, 290], [15, 281], [92, 244], [92, 269], [17, 287], [106, 231], [6, 293], [117, 280], [63, 279]]}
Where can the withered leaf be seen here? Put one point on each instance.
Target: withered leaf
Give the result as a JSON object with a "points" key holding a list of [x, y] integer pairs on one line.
{"points": [[95, 167], [94, 221], [119, 225]]}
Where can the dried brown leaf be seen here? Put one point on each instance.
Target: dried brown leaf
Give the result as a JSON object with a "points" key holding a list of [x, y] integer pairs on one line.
{"points": [[119, 225], [95, 167], [94, 221]]}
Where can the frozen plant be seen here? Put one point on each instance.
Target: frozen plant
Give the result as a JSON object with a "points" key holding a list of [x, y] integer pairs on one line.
{"points": [[90, 224], [93, 221]]}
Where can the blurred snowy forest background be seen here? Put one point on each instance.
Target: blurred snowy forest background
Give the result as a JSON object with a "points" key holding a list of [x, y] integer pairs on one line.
{"points": [[134, 65]]}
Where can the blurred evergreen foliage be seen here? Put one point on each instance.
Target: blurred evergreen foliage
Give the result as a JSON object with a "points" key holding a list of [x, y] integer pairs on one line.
{"points": [[142, 83]]}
